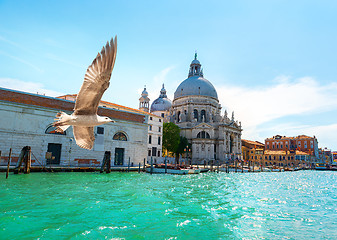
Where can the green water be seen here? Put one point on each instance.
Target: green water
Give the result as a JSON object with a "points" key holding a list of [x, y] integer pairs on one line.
{"points": [[289, 205]]}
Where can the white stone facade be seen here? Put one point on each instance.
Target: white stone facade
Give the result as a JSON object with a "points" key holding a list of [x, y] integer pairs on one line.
{"points": [[25, 124], [155, 139]]}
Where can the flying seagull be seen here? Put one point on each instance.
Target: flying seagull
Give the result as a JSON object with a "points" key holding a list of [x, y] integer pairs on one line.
{"points": [[96, 81]]}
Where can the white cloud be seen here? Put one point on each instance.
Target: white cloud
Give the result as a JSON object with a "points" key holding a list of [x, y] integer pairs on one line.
{"points": [[30, 87], [161, 77], [254, 106], [287, 97]]}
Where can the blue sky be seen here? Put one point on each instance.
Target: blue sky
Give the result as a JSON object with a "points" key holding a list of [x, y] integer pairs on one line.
{"points": [[272, 62]]}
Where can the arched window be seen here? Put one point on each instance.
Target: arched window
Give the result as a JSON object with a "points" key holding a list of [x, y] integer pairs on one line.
{"points": [[120, 137], [203, 134], [178, 116], [52, 130], [195, 114]]}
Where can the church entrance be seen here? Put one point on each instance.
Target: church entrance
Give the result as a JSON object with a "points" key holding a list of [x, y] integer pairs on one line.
{"points": [[55, 150], [119, 156]]}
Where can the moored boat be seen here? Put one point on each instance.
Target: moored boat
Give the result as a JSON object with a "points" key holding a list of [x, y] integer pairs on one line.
{"points": [[276, 169], [171, 169], [321, 166]]}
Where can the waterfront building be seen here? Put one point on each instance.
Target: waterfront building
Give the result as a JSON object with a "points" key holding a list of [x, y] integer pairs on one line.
{"points": [[282, 158], [26, 120], [325, 155], [155, 138], [255, 153], [301, 143], [197, 111], [334, 157], [252, 150]]}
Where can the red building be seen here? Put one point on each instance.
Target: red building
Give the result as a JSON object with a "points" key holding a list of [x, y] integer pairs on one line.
{"points": [[301, 143]]}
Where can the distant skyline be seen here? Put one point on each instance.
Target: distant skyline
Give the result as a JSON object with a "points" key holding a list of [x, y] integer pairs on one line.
{"points": [[272, 62]]}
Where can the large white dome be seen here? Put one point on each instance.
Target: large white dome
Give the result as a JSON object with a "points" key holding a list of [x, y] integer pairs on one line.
{"points": [[195, 84]]}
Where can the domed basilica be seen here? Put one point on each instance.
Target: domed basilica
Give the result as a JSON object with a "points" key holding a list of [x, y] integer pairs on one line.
{"points": [[196, 110]]}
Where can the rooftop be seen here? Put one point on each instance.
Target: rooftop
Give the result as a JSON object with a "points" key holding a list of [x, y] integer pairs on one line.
{"points": [[72, 97], [14, 96]]}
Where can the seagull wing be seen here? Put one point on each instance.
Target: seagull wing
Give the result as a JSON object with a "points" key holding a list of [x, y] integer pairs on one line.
{"points": [[84, 136], [96, 80]]}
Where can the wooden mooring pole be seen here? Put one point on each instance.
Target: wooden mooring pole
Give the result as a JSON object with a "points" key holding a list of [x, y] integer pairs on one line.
{"points": [[28, 160], [144, 165], [151, 166], [9, 162], [139, 167], [165, 164], [106, 165]]}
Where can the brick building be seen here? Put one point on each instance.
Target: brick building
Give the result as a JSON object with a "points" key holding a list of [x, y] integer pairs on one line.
{"points": [[303, 143], [255, 152]]}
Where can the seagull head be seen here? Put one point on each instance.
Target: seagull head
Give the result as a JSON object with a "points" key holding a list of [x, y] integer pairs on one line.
{"points": [[106, 120]]}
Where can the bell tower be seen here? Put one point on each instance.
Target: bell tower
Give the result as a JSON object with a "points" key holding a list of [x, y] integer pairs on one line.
{"points": [[144, 101]]}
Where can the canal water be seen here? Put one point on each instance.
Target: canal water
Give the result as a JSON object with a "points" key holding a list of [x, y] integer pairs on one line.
{"points": [[286, 205]]}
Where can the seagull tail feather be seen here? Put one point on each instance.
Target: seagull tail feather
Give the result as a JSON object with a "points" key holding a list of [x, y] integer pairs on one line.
{"points": [[62, 120]]}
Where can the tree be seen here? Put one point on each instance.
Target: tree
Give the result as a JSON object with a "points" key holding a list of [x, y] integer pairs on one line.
{"points": [[171, 137], [183, 143]]}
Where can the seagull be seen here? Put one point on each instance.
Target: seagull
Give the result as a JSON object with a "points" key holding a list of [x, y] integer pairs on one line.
{"points": [[96, 81]]}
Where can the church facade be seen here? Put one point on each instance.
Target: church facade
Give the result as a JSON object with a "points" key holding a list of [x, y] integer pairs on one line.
{"points": [[197, 111]]}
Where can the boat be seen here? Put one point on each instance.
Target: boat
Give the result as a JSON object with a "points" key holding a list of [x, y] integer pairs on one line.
{"points": [[321, 166], [265, 169], [171, 169], [276, 169]]}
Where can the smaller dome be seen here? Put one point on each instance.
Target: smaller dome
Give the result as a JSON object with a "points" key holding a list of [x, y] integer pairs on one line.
{"points": [[161, 104]]}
